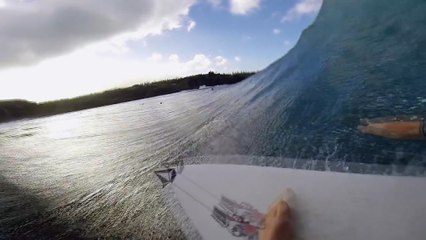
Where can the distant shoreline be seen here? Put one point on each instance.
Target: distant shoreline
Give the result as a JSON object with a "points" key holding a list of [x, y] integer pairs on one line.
{"points": [[11, 110]]}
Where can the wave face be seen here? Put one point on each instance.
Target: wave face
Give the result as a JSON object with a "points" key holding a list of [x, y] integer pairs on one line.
{"points": [[359, 59]]}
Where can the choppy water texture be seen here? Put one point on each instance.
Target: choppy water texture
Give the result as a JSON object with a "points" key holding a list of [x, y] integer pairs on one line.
{"points": [[89, 174]]}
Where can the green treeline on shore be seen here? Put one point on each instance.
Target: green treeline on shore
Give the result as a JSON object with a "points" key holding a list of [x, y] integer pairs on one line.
{"points": [[18, 109]]}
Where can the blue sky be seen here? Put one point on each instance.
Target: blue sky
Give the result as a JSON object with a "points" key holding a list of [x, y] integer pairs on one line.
{"points": [[72, 48], [258, 37]]}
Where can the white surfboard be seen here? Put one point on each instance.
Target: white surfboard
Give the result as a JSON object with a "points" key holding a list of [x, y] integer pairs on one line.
{"points": [[227, 202]]}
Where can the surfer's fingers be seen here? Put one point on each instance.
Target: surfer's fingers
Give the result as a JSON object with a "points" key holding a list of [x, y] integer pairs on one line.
{"points": [[282, 211], [373, 128], [263, 221], [364, 122], [287, 201], [289, 197], [362, 128], [365, 126], [277, 223]]}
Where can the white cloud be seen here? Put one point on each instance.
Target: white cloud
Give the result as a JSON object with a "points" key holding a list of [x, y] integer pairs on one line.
{"points": [[144, 43], [84, 71], [220, 61], [35, 30], [2, 3], [199, 63], [174, 58], [191, 25], [155, 57], [287, 43], [237, 59], [303, 7], [276, 31], [242, 7]]}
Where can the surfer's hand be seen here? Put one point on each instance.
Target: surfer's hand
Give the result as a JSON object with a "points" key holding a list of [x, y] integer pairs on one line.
{"points": [[393, 129], [277, 222], [377, 129]]}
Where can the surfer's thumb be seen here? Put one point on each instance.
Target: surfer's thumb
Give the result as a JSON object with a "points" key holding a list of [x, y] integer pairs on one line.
{"points": [[289, 197]]}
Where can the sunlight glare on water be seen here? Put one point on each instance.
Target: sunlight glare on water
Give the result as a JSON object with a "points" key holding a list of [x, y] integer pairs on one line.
{"points": [[89, 173], [64, 127]]}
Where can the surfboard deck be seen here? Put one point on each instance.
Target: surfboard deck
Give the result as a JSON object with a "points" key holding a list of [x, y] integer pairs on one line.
{"points": [[224, 201]]}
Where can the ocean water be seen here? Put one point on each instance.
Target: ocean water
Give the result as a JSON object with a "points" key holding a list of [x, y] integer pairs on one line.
{"points": [[88, 174]]}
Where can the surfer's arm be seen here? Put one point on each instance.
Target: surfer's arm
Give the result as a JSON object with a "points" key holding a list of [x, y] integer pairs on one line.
{"points": [[396, 129]]}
